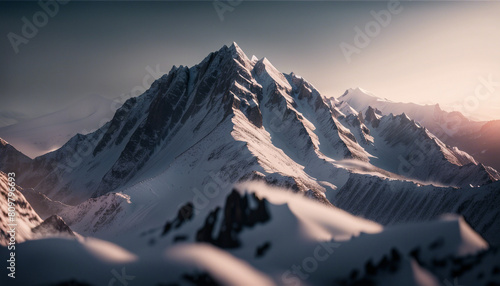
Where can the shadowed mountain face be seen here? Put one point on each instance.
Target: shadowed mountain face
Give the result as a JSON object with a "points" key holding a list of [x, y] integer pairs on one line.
{"points": [[483, 144], [53, 225], [11, 160]]}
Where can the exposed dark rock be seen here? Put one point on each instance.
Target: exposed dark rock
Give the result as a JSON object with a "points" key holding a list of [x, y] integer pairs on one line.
{"points": [[184, 214], [261, 250], [237, 215], [178, 238], [436, 244], [370, 116]]}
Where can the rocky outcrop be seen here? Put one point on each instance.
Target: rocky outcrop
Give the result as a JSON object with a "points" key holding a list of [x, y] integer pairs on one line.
{"points": [[236, 215], [53, 226]]}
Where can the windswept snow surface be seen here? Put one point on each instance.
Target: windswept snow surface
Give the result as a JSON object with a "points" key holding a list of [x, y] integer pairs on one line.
{"points": [[300, 242]]}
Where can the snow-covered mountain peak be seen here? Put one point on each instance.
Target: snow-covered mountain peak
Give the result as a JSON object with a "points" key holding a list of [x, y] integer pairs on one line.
{"points": [[53, 226], [294, 75], [361, 90], [405, 118], [265, 63], [405, 147], [267, 73], [236, 51], [3, 142], [358, 95], [453, 128], [372, 116], [437, 107], [234, 47]]}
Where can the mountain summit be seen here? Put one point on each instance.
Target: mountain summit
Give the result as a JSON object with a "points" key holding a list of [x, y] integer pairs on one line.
{"points": [[272, 120], [229, 110]]}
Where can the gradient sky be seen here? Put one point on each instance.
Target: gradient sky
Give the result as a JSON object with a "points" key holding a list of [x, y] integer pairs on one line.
{"points": [[431, 52]]}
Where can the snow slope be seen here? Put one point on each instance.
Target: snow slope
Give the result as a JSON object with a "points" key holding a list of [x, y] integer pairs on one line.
{"points": [[453, 128], [391, 202], [283, 239]]}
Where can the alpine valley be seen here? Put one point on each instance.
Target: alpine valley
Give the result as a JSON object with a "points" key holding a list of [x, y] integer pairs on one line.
{"points": [[233, 173]]}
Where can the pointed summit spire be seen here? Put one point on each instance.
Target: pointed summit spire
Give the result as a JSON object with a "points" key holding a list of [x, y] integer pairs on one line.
{"points": [[236, 49], [237, 53], [371, 116], [235, 45]]}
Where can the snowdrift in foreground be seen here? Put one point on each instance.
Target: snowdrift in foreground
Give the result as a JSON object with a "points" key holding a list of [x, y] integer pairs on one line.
{"points": [[299, 242]]}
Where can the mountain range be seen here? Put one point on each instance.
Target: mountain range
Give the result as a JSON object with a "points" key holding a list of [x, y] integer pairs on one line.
{"points": [[231, 172], [478, 138]]}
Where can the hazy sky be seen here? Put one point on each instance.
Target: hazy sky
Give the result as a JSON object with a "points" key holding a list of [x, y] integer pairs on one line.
{"points": [[428, 53]]}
